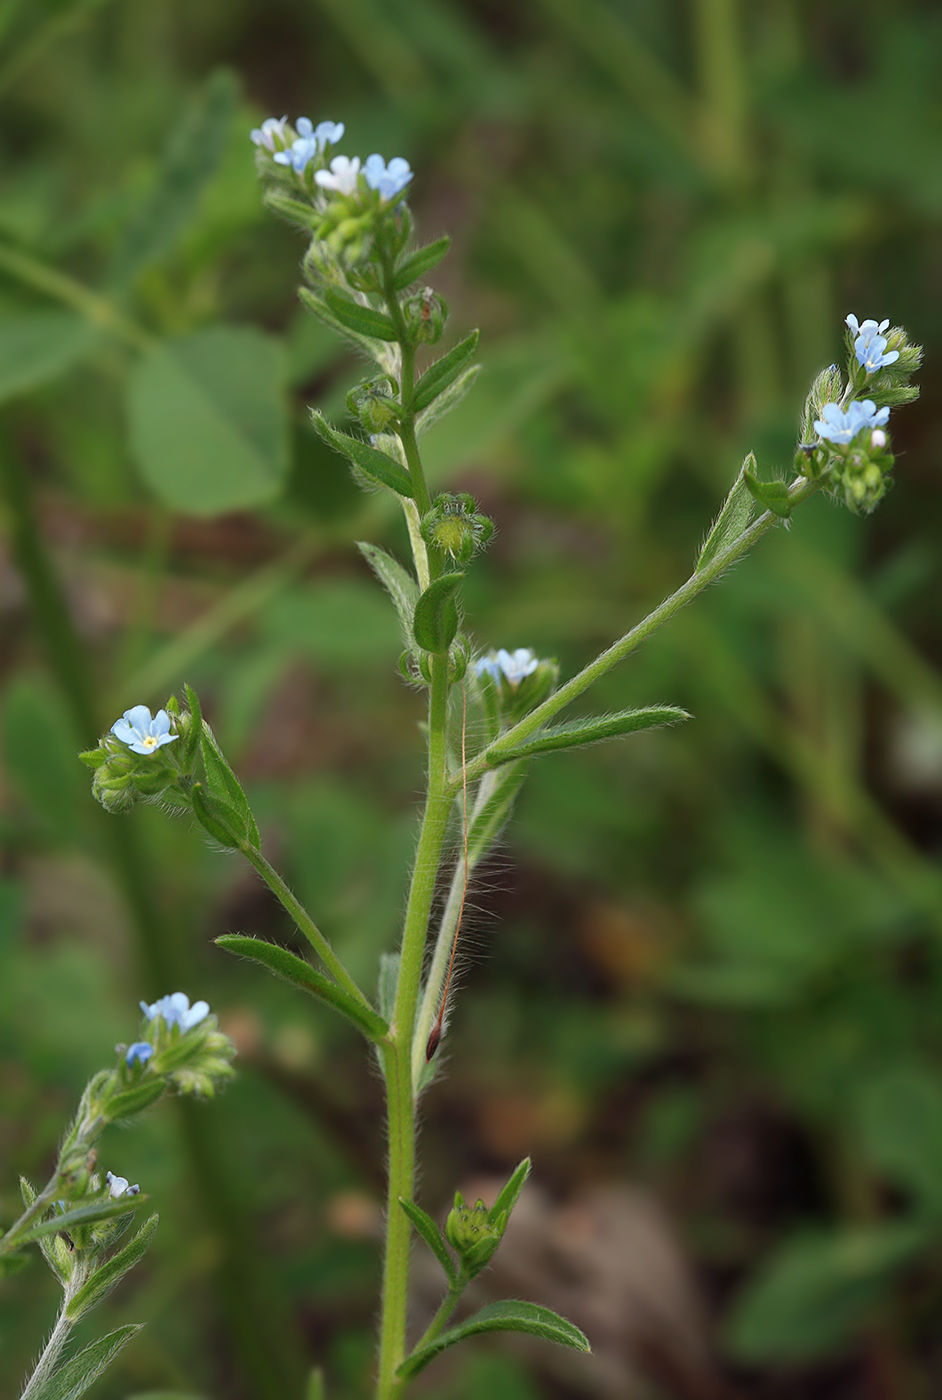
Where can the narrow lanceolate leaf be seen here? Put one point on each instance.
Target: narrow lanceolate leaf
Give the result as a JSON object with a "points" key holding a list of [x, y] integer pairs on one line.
{"points": [[447, 400], [74, 1378], [398, 582], [510, 1316], [319, 308], [291, 209], [432, 1235], [111, 1273], [771, 495], [81, 1215], [579, 732], [363, 320], [419, 263], [510, 1194], [291, 968], [732, 519], [372, 467], [445, 371], [435, 620]]}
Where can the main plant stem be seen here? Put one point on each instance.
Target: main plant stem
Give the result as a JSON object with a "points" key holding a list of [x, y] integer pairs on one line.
{"points": [[398, 1053]]}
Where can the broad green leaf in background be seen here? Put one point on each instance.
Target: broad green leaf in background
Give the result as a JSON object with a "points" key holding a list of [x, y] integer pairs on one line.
{"points": [[208, 420], [38, 347], [817, 1290], [337, 623], [899, 1117]]}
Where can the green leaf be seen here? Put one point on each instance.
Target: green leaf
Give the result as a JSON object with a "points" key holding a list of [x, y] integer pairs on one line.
{"points": [[899, 1119], [817, 1290], [74, 1378], [417, 264], [81, 1215], [109, 1274], [444, 372], [398, 582], [362, 320], [291, 968], [208, 420], [370, 467], [435, 620], [510, 1316], [432, 1235], [134, 1100], [510, 1193], [448, 399], [771, 495], [318, 306], [37, 348], [193, 156], [293, 210], [732, 519], [579, 732]]}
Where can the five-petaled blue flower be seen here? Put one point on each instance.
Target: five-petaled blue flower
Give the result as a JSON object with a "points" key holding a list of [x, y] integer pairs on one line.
{"points": [[311, 141], [870, 344], [176, 1010], [836, 425], [509, 666], [140, 732], [390, 179], [139, 1053], [118, 1186]]}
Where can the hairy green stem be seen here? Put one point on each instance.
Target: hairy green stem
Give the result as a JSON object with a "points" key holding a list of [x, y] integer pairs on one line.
{"points": [[305, 923], [578, 684], [397, 1054], [46, 1365], [445, 1309]]}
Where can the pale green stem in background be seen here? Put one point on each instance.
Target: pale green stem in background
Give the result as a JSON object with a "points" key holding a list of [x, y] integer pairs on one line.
{"points": [[94, 307], [799, 491]]}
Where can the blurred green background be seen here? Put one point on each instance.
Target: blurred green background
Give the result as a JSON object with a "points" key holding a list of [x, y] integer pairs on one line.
{"points": [[703, 975]]}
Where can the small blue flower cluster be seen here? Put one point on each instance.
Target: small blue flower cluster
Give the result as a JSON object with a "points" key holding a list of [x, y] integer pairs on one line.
{"points": [[176, 1010], [512, 667], [118, 1186], [841, 426], [870, 344], [341, 174]]}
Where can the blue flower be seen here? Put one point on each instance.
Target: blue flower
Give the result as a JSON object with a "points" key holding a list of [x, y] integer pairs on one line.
{"points": [[299, 153], [510, 667], [838, 426], [870, 344], [176, 1010], [266, 134], [325, 133], [118, 1186], [139, 1053], [390, 179], [140, 732]]}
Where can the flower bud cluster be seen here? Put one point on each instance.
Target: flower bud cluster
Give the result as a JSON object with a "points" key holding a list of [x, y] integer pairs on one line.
{"points": [[374, 403], [454, 527], [843, 436], [473, 1234]]}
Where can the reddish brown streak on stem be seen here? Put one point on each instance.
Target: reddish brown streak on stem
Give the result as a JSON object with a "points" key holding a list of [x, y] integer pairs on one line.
{"points": [[435, 1034]]}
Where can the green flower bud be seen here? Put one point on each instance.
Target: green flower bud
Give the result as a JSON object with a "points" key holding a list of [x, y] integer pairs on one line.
{"points": [[425, 316], [374, 404], [472, 1234], [455, 528]]}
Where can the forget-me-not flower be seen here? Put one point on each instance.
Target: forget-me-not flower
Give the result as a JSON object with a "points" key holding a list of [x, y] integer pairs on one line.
{"points": [[870, 344], [141, 732], [265, 134], [118, 1186], [342, 176], [838, 426], [325, 133], [298, 154], [176, 1010], [390, 179], [512, 667], [139, 1053]]}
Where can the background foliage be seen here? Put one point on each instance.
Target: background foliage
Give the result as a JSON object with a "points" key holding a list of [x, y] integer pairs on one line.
{"points": [[703, 977]]}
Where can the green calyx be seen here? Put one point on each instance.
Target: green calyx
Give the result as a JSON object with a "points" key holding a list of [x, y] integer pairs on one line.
{"points": [[455, 528]]}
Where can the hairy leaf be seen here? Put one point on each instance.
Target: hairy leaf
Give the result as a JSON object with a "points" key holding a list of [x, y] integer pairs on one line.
{"points": [[443, 372], [74, 1378], [732, 519], [415, 265], [435, 620], [510, 1316], [112, 1272], [432, 1235], [579, 732], [362, 320], [369, 465], [398, 582]]}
